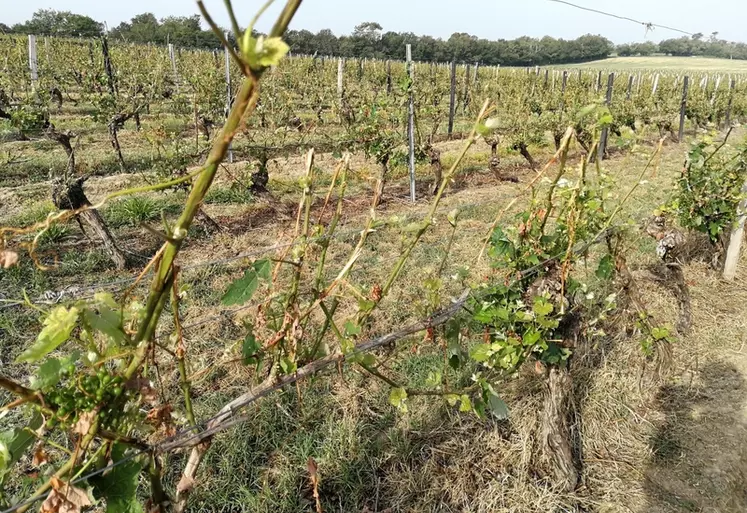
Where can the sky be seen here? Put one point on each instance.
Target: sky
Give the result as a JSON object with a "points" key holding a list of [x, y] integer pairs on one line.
{"points": [[490, 19]]}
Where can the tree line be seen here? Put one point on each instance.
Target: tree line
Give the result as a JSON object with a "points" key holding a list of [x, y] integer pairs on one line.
{"points": [[368, 40]]}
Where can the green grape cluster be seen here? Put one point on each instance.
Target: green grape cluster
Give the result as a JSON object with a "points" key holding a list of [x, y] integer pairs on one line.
{"points": [[84, 393]]}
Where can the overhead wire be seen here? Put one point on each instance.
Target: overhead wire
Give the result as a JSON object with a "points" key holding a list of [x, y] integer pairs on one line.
{"points": [[647, 25]]}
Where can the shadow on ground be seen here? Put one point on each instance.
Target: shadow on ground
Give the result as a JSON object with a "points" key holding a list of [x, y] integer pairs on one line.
{"points": [[699, 453]]}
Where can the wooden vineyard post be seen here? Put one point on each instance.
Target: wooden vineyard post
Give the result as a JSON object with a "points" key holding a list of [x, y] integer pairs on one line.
{"points": [[229, 96], [388, 77], [477, 69], [683, 108], [108, 65], [605, 131], [737, 234], [33, 65], [452, 98], [731, 100], [599, 81], [172, 57], [411, 122], [631, 78], [562, 92], [656, 85], [340, 73], [547, 77], [465, 98], [715, 90], [638, 83]]}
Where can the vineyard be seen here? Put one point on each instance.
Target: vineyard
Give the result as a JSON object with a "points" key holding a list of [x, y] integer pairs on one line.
{"points": [[248, 280]]}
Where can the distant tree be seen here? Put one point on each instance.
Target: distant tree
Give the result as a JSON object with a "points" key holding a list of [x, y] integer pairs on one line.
{"points": [[4, 28], [49, 22], [624, 50], [368, 30], [647, 48], [143, 28]]}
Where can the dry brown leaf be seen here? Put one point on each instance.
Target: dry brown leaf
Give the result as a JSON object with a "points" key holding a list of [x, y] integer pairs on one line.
{"points": [[146, 390], [85, 421], [8, 258], [186, 484], [40, 457], [160, 415], [314, 476], [65, 498]]}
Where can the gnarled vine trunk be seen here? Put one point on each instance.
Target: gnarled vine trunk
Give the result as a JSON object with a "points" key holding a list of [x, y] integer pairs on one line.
{"points": [[379, 192], [524, 150], [435, 156], [63, 139], [114, 140], [261, 177], [557, 447], [70, 196], [494, 164]]}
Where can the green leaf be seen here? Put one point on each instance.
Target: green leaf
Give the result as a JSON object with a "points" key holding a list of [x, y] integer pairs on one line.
{"points": [[365, 305], [119, 486], [263, 52], [242, 290], [15, 442], [453, 346], [287, 365], [542, 307], [47, 375], [434, 379], [352, 329], [250, 348], [58, 326], [368, 360], [263, 268], [497, 407], [107, 321], [451, 399], [481, 352], [466, 404], [606, 268], [452, 217], [398, 399], [50, 372], [531, 337]]}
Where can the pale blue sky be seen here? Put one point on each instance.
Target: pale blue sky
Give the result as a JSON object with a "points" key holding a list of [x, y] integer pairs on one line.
{"points": [[492, 19]]}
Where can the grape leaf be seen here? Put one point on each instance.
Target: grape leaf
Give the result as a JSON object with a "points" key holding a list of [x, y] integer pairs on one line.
{"points": [[58, 326], [250, 348], [50, 372], [497, 407], [119, 487], [107, 321], [263, 52], [398, 399], [606, 268], [242, 290], [15, 442]]}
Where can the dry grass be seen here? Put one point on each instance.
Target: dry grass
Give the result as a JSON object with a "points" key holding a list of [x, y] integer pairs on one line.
{"points": [[667, 63]]}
